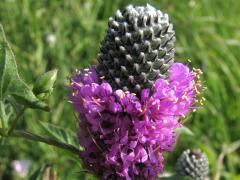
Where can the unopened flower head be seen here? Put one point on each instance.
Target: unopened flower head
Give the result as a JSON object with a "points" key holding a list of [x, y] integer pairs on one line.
{"points": [[124, 135]]}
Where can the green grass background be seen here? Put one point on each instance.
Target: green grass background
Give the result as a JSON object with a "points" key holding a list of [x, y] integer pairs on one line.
{"points": [[207, 32]]}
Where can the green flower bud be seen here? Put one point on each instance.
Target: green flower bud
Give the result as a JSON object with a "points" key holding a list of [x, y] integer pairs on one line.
{"points": [[45, 83]]}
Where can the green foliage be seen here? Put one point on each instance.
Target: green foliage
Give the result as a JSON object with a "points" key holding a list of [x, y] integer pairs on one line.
{"points": [[60, 133], [184, 130], [45, 35], [10, 81], [37, 173], [44, 172]]}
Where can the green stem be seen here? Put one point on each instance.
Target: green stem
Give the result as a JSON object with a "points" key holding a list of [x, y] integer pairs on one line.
{"points": [[45, 139], [15, 121]]}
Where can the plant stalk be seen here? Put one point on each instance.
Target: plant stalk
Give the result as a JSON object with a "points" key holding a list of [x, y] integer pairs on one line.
{"points": [[45, 139], [15, 121]]}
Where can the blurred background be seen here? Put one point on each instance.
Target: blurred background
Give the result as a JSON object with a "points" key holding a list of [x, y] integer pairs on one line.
{"points": [[66, 35]]}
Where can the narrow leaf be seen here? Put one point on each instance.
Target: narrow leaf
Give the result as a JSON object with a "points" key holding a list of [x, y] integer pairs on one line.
{"points": [[37, 173], [62, 134], [184, 130]]}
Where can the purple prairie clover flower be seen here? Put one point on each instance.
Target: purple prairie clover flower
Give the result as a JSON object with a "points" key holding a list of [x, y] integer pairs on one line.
{"points": [[130, 104], [125, 135]]}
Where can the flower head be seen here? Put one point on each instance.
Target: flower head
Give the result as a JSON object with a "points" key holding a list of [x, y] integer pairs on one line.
{"points": [[130, 104], [193, 163], [124, 135]]}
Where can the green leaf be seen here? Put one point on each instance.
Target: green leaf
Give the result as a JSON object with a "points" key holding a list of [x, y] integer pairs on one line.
{"points": [[37, 173], [231, 147], [59, 133], [10, 81], [184, 130]]}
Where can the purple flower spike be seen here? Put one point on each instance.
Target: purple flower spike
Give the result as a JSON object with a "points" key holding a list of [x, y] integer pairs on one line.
{"points": [[123, 135]]}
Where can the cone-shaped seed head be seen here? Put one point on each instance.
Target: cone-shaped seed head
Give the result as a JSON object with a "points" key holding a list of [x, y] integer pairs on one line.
{"points": [[193, 163], [138, 48]]}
